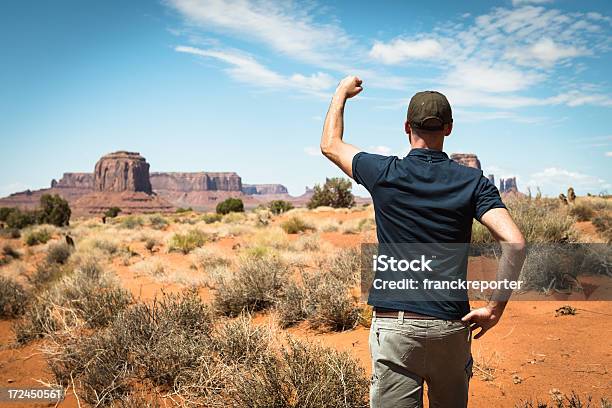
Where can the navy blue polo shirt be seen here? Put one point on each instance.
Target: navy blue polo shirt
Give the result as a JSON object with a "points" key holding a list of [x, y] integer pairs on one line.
{"points": [[424, 198]]}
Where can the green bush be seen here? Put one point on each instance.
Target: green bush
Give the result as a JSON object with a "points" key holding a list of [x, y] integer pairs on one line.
{"points": [[5, 212], [280, 206], [295, 225], [182, 210], [54, 210], [20, 219], [336, 193], [230, 205], [158, 222], [112, 212], [189, 241], [210, 218], [37, 236], [131, 222]]}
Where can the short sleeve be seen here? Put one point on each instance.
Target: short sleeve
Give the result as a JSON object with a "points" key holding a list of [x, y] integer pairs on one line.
{"points": [[487, 197], [368, 168]]}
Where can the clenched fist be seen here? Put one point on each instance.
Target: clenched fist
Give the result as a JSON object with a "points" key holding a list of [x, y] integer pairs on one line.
{"points": [[349, 87]]}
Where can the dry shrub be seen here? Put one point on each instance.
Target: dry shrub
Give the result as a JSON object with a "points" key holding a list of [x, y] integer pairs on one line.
{"points": [[46, 274], [303, 375], [582, 211], [255, 285], [207, 258], [240, 342], [188, 241], [329, 303], [274, 238], [562, 401], [603, 225], [169, 347], [308, 243], [158, 222], [210, 218], [131, 222], [538, 220], [58, 253], [8, 254], [37, 236], [153, 267], [345, 265], [13, 298], [295, 225], [87, 297], [292, 307], [148, 343]]}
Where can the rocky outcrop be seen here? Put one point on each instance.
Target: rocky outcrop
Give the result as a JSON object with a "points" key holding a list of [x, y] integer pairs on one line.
{"points": [[491, 178], [198, 181], [467, 159], [122, 171], [508, 185], [74, 180], [264, 189]]}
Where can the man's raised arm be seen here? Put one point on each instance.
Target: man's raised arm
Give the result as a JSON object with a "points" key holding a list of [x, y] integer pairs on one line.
{"points": [[332, 145]]}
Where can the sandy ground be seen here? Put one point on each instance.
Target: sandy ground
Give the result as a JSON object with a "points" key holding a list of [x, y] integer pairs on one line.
{"points": [[530, 353]]}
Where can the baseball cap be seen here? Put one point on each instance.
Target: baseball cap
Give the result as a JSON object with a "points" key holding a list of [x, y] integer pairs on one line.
{"points": [[429, 110]]}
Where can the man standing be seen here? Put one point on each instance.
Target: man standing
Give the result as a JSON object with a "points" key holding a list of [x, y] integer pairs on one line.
{"points": [[424, 198]]}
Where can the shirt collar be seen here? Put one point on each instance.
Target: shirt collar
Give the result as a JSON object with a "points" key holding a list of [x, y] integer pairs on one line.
{"points": [[427, 153]]}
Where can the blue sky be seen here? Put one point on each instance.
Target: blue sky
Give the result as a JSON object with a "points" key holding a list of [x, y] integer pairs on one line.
{"points": [[244, 86]]}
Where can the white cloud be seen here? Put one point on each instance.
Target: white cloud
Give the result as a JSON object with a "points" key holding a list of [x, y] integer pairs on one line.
{"points": [[545, 52], [608, 154], [244, 68], [312, 151], [400, 50], [495, 78], [523, 2], [384, 150], [284, 26]]}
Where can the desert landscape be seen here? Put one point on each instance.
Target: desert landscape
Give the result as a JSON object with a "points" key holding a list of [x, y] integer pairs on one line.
{"points": [[261, 308]]}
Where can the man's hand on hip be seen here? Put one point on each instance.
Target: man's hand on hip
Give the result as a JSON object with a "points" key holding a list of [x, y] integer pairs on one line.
{"points": [[483, 318]]}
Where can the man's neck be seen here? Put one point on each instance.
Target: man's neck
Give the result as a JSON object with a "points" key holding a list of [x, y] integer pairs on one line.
{"points": [[421, 144]]}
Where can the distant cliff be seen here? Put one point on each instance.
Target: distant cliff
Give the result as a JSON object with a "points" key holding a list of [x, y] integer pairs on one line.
{"points": [[264, 189], [198, 181]]}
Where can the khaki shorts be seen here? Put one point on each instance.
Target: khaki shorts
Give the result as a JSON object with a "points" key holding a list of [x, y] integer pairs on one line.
{"points": [[407, 352]]}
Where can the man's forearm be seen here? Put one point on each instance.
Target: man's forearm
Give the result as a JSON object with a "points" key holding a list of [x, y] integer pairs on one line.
{"points": [[333, 129], [509, 267]]}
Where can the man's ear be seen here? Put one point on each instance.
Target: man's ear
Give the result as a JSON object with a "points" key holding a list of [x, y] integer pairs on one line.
{"points": [[448, 129], [407, 128]]}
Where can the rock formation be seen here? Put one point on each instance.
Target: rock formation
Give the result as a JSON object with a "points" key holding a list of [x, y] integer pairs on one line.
{"points": [[508, 185], [491, 178], [74, 180], [122, 171], [199, 181], [467, 159], [121, 179], [264, 189]]}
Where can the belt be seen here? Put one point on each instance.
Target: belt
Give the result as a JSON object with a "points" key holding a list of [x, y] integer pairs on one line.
{"points": [[395, 314]]}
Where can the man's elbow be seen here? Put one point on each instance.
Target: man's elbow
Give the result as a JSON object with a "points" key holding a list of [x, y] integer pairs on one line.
{"points": [[327, 149]]}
